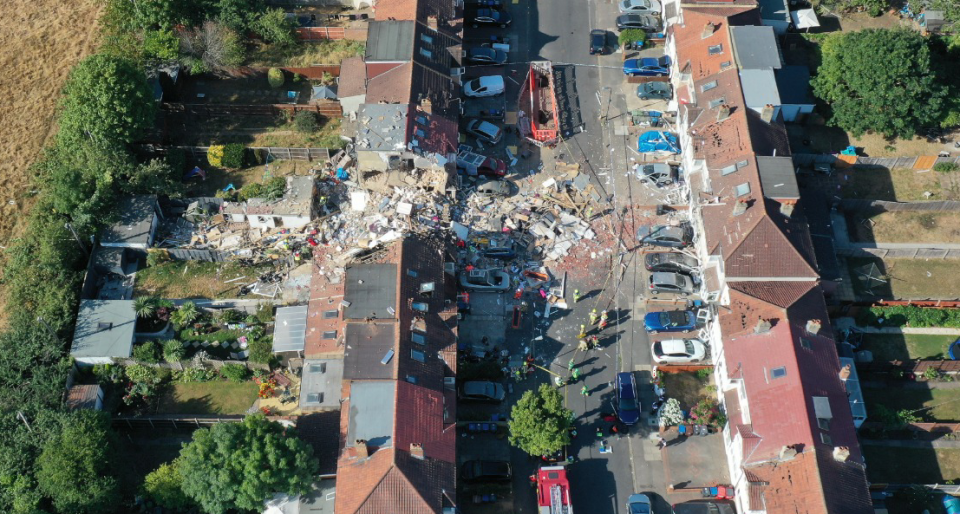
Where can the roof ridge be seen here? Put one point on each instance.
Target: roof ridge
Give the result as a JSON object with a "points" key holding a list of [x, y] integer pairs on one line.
{"points": [[734, 285], [793, 246], [393, 465]]}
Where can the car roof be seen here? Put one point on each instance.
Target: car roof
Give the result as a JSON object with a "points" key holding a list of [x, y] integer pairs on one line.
{"points": [[630, 63], [656, 167], [665, 277], [623, 379], [598, 32], [491, 80], [482, 50], [673, 346]]}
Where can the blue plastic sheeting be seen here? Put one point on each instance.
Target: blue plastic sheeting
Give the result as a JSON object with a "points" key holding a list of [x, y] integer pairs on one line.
{"points": [[658, 141]]}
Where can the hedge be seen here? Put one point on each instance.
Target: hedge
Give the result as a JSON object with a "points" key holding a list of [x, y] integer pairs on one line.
{"points": [[910, 315]]}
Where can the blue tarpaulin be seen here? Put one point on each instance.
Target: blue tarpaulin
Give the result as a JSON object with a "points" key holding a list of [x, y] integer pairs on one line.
{"points": [[658, 141]]}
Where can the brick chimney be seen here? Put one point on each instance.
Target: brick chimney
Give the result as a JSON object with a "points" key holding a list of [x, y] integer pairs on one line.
{"points": [[813, 326], [416, 450], [787, 453], [841, 453], [845, 372], [723, 112], [426, 106], [763, 326], [766, 114], [787, 209], [432, 22], [708, 30], [362, 450], [740, 207]]}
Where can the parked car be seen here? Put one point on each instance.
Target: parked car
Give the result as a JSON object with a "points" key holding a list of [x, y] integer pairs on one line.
{"points": [[666, 235], [704, 507], [658, 90], [671, 282], [679, 351], [598, 41], [628, 402], [482, 391], [638, 504], [658, 174], [647, 66], [651, 7], [670, 261], [484, 131], [485, 280], [495, 17], [485, 55], [670, 321], [644, 22], [488, 85], [486, 471], [501, 188]]}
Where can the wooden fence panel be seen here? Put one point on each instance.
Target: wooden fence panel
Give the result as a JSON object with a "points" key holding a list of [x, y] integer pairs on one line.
{"points": [[191, 254], [331, 33]]}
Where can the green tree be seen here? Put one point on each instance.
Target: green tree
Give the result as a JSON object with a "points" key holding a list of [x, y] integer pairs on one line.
{"points": [[145, 306], [161, 44], [239, 15], [539, 422], [173, 350], [164, 486], [106, 100], [238, 465], [146, 352], [275, 77], [306, 122], [186, 314], [210, 48], [75, 468], [275, 27], [155, 177], [895, 97]]}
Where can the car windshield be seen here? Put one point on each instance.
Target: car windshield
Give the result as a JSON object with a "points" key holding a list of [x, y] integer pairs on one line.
{"points": [[689, 346], [628, 404], [639, 3], [672, 318], [489, 390], [639, 508]]}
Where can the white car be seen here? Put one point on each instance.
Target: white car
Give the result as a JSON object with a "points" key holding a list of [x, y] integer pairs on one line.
{"points": [[651, 7], [679, 351], [489, 85]]}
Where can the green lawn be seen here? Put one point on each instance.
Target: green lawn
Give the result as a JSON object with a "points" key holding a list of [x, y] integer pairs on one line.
{"points": [[911, 465], [194, 279], [896, 347], [942, 405], [220, 397]]}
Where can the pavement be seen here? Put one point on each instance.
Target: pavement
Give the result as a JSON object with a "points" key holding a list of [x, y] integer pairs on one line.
{"points": [[600, 482]]}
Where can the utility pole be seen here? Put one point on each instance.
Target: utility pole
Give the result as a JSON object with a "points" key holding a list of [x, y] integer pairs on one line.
{"points": [[75, 236]]}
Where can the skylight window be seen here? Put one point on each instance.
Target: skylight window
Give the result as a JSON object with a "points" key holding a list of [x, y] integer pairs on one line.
{"points": [[778, 372], [418, 356], [418, 338], [743, 189], [426, 53], [708, 86], [426, 39], [728, 170], [717, 103], [715, 49]]}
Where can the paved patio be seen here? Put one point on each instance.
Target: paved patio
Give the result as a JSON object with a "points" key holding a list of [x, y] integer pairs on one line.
{"points": [[693, 462]]}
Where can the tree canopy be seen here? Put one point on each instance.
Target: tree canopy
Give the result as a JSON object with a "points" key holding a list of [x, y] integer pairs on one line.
{"points": [[539, 422], [239, 465], [880, 80], [106, 100], [75, 466]]}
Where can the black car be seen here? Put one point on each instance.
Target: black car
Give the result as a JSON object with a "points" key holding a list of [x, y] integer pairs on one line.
{"points": [[486, 471], [482, 391], [670, 261], [598, 41], [666, 235], [638, 21], [658, 90], [484, 55], [704, 507], [494, 17]]}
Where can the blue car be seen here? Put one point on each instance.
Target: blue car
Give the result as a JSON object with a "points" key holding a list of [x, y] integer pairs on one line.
{"points": [[628, 403], [670, 321], [647, 66]]}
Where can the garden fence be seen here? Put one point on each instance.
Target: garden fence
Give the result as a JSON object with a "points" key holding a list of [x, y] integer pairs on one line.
{"points": [[213, 363], [325, 108], [915, 367], [899, 253], [178, 422], [854, 205], [199, 153], [331, 33]]}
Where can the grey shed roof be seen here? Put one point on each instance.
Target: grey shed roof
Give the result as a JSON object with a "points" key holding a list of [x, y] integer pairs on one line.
{"points": [[390, 41], [383, 127], [756, 47], [136, 219], [793, 82], [370, 351], [371, 290], [290, 329], [104, 329], [774, 10], [323, 93], [759, 88], [778, 177], [372, 405], [320, 383]]}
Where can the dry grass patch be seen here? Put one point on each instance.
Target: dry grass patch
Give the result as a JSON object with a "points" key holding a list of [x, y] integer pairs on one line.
{"points": [[897, 185], [876, 145], [40, 41], [921, 279], [908, 227], [305, 53], [192, 279]]}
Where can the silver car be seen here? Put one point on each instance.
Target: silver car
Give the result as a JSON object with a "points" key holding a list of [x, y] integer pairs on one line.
{"points": [[658, 90], [679, 351], [670, 282], [485, 280], [484, 131], [657, 174], [651, 7]]}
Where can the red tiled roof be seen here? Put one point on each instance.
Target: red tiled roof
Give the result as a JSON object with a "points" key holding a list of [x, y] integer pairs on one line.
{"points": [[693, 55], [420, 420], [794, 486], [353, 77], [781, 294], [395, 10], [391, 85], [766, 252]]}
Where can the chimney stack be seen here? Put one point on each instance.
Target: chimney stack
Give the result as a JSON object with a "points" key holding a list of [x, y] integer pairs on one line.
{"points": [[763, 326], [426, 106], [841, 453], [786, 209], [787, 453], [362, 450], [723, 112], [845, 372], [740, 207], [432, 22], [766, 114], [708, 30], [416, 450], [813, 326]]}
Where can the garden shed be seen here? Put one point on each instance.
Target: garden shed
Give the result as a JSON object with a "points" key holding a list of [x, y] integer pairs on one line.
{"points": [[290, 330], [104, 331]]}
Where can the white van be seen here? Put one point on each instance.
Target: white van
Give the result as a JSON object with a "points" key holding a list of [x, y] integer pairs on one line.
{"points": [[490, 85]]}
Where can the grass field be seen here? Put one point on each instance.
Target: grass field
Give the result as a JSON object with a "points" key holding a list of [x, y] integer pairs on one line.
{"points": [[305, 54], [907, 227], [911, 465], [220, 397], [193, 279], [940, 405], [922, 279], [890, 347], [40, 41], [899, 185]]}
